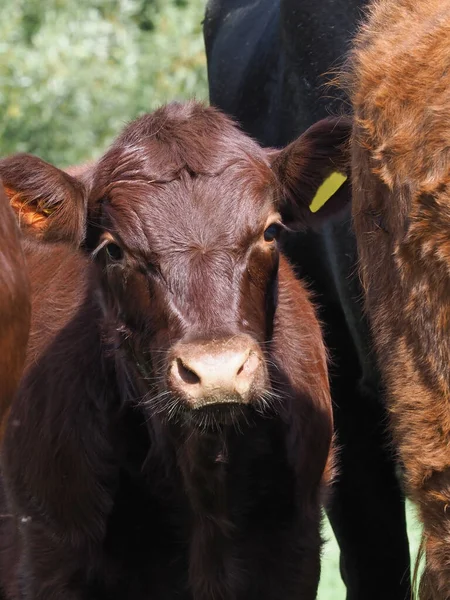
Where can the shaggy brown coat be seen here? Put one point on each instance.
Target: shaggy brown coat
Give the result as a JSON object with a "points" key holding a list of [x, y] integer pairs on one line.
{"points": [[400, 90]]}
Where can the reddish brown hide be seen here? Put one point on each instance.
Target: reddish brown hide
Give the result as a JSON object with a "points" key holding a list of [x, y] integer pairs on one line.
{"points": [[49, 203], [172, 432], [400, 90], [14, 307]]}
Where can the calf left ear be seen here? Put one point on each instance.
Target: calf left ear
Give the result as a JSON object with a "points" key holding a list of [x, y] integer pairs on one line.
{"points": [[49, 203], [312, 172]]}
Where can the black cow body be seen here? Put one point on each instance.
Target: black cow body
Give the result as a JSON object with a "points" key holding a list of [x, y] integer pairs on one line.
{"points": [[265, 62]]}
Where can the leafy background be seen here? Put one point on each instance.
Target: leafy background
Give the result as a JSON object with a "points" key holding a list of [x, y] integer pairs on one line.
{"points": [[73, 72]]}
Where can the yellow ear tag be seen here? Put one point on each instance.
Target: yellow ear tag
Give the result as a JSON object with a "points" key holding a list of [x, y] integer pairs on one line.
{"points": [[327, 189]]}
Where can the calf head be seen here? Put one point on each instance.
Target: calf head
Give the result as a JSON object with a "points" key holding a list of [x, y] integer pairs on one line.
{"points": [[186, 212], [184, 216]]}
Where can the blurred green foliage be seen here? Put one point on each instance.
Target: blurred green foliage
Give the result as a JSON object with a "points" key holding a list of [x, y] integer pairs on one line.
{"points": [[73, 72]]}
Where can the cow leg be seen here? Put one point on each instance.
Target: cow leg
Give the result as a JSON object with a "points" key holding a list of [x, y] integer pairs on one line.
{"points": [[433, 584], [420, 427], [366, 507]]}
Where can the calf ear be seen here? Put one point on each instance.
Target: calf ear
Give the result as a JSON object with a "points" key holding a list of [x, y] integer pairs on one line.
{"points": [[49, 203], [312, 172]]}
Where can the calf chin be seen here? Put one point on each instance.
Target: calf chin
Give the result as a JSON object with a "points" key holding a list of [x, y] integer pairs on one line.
{"points": [[219, 413]]}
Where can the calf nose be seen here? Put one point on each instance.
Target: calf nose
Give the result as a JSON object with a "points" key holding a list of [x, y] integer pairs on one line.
{"points": [[218, 371]]}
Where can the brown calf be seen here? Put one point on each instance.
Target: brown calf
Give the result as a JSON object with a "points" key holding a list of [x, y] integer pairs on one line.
{"points": [[172, 432], [400, 90], [15, 306]]}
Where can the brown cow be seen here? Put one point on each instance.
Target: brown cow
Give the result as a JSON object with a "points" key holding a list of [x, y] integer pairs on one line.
{"points": [[172, 432], [15, 306], [400, 89]]}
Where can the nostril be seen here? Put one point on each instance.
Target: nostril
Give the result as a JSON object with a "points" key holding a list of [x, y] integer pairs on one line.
{"points": [[186, 374], [249, 365]]}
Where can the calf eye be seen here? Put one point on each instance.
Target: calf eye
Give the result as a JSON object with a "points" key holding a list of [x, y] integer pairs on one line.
{"points": [[114, 252], [272, 232]]}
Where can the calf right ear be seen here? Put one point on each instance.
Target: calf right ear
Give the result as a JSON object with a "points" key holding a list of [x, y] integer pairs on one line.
{"points": [[49, 204], [312, 172]]}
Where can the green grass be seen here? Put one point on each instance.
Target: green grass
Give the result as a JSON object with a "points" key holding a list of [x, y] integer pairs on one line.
{"points": [[331, 586]]}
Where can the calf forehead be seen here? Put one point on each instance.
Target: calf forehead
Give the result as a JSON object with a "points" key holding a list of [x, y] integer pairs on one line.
{"points": [[194, 213]]}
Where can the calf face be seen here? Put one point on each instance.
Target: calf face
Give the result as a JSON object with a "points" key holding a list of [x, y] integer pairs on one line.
{"points": [[184, 213], [185, 216]]}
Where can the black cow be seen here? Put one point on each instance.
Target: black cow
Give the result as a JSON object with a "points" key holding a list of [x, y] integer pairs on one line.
{"points": [[266, 62]]}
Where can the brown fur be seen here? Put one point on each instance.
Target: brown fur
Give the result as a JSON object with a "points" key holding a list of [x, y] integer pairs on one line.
{"points": [[14, 307], [48, 202], [117, 488], [399, 81]]}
